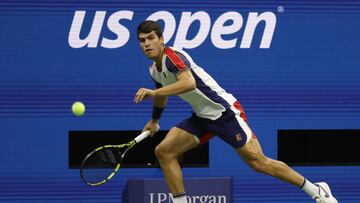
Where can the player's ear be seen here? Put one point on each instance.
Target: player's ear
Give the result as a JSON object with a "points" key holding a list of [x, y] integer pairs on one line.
{"points": [[162, 40]]}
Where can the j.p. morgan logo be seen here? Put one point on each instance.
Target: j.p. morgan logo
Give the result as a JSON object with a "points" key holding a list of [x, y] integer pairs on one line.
{"points": [[226, 31], [166, 198]]}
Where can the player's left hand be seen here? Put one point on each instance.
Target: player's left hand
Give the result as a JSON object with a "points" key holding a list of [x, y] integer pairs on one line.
{"points": [[142, 94]]}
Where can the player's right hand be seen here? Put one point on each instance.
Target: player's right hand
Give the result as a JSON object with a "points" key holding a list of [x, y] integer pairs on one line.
{"points": [[143, 93], [152, 126]]}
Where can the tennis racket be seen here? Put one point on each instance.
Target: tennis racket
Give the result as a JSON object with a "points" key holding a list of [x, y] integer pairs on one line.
{"points": [[100, 165]]}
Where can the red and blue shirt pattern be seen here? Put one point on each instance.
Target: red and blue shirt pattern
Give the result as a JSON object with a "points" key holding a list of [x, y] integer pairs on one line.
{"points": [[208, 100]]}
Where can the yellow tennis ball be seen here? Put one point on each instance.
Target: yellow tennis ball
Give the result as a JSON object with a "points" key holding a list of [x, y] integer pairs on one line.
{"points": [[78, 108]]}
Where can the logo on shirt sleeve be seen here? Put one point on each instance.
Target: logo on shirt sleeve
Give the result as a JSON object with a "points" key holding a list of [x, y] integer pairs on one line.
{"points": [[238, 137]]}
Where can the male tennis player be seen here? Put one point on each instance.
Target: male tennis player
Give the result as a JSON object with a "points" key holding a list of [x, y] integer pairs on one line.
{"points": [[214, 112]]}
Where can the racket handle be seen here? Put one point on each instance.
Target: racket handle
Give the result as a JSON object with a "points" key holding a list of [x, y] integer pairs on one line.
{"points": [[142, 136]]}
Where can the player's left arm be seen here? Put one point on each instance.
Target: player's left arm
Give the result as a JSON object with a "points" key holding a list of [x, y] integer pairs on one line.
{"points": [[185, 82]]}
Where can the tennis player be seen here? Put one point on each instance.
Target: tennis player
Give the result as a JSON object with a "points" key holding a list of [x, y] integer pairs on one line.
{"points": [[215, 111]]}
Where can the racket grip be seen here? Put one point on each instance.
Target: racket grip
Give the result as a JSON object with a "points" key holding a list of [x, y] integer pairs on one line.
{"points": [[142, 136]]}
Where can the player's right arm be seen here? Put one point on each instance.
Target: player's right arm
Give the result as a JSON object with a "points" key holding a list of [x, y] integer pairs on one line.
{"points": [[159, 104]]}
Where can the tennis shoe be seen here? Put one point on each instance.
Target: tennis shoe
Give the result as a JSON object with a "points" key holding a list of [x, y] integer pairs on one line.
{"points": [[324, 195]]}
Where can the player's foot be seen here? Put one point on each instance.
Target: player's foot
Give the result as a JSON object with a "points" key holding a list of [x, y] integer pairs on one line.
{"points": [[324, 195]]}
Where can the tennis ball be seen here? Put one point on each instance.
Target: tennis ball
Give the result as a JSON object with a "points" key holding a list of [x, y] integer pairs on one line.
{"points": [[78, 108]]}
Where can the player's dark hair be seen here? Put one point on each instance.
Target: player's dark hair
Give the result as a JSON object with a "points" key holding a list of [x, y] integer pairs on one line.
{"points": [[148, 26]]}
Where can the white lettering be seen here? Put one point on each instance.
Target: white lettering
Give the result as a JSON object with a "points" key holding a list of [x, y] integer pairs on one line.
{"points": [[188, 198], [222, 198], [213, 199], [185, 21], [151, 197], [170, 23], [122, 32], [253, 20], [194, 198], [93, 37], [203, 199], [167, 197], [226, 24], [162, 197], [219, 29]]}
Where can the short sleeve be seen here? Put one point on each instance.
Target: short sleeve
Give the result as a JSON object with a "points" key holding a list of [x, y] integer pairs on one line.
{"points": [[175, 61]]}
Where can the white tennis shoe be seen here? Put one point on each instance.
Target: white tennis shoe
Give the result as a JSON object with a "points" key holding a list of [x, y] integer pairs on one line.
{"points": [[324, 195]]}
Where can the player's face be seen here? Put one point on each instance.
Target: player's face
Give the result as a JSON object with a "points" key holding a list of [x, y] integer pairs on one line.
{"points": [[151, 44]]}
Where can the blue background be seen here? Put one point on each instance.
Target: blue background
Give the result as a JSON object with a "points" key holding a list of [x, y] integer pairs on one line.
{"points": [[307, 79]]}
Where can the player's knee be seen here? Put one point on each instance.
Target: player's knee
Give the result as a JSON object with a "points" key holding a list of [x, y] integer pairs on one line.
{"points": [[163, 152], [159, 152]]}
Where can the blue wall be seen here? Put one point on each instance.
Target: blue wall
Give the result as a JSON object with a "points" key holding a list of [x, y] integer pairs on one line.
{"points": [[308, 78]]}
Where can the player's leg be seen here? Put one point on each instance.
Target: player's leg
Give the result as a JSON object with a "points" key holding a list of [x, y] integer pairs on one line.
{"points": [[251, 152], [176, 142], [234, 129], [253, 155]]}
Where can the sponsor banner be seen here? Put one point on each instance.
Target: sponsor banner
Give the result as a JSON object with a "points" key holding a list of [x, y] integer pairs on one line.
{"points": [[198, 190]]}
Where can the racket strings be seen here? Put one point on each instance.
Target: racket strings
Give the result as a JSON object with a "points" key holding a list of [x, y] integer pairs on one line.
{"points": [[109, 156], [101, 164], [104, 158]]}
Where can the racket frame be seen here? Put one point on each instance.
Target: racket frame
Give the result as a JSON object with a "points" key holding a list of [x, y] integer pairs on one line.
{"points": [[129, 145]]}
